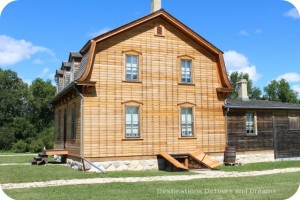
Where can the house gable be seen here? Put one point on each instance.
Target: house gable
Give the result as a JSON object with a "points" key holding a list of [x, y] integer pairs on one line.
{"points": [[222, 75]]}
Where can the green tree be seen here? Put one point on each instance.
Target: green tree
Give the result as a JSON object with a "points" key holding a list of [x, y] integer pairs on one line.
{"points": [[6, 137], [280, 91], [13, 96], [26, 116], [253, 92], [41, 112]]}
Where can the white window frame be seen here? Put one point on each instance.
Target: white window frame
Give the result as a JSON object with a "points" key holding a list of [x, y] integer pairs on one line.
{"points": [[253, 123], [131, 67], [184, 71], [186, 123], [132, 134]]}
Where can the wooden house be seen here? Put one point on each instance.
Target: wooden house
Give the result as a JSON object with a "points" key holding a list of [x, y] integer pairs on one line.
{"points": [[150, 86], [264, 128]]}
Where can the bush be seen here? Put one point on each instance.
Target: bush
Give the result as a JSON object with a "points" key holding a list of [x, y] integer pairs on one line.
{"points": [[47, 136], [36, 146], [20, 147]]}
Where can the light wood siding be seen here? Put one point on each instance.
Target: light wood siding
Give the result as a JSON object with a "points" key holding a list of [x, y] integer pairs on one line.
{"points": [[67, 102], [159, 92]]}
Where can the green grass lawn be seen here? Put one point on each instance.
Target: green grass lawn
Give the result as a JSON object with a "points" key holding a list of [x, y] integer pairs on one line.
{"points": [[14, 158], [261, 166], [24, 173], [276, 186]]}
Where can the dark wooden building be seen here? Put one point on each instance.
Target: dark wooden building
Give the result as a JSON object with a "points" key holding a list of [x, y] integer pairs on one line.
{"points": [[256, 126]]}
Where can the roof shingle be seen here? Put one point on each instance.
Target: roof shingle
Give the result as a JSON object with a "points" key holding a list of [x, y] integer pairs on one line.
{"points": [[260, 104]]}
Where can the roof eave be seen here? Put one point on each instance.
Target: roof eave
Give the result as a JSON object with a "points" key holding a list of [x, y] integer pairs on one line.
{"points": [[64, 91], [262, 107]]}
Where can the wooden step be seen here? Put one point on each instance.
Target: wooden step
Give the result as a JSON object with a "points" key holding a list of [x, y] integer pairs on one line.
{"points": [[172, 160], [204, 159], [38, 158], [42, 155], [33, 162]]}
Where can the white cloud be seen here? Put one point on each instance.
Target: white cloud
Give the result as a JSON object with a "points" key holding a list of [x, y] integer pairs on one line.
{"points": [[293, 13], [99, 32], [238, 62], [38, 61], [290, 77], [44, 72], [13, 51], [296, 88], [47, 74], [243, 33]]}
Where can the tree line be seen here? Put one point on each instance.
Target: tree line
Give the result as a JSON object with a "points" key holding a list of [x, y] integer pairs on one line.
{"points": [[26, 115], [276, 90]]}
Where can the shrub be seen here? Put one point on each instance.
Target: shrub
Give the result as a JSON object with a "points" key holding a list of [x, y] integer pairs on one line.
{"points": [[36, 146], [47, 136], [20, 147]]}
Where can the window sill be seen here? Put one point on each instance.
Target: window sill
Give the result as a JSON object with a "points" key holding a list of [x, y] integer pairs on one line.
{"points": [[124, 81], [159, 35], [251, 135], [189, 138], [132, 139], [187, 84]]}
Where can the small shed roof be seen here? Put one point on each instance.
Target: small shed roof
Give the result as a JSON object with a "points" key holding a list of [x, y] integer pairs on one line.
{"points": [[260, 104], [65, 65], [59, 72], [74, 55]]}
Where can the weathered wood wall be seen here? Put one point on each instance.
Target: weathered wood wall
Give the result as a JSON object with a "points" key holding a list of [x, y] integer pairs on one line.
{"points": [[237, 131], [67, 103], [158, 92], [287, 142], [277, 136]]}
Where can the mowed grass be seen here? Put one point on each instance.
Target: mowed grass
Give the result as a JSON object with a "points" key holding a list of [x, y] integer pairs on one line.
{"points": [[17, 158], [276, 186], [25, 173], [261, 166]]}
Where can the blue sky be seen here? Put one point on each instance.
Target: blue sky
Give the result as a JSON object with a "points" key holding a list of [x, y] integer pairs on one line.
{"points": [[261, 37]]}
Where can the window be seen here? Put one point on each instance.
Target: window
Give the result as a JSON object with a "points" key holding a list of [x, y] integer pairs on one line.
{"points": [[251, 123], [186, 71], [187, 122], [159, 30], [132, 68], [58, 125], [132, 122], [73, 127], [294, 122]]}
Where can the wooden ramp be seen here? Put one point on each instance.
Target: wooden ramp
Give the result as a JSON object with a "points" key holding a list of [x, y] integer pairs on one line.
{"points": [[173, 161], [204, 159]]}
